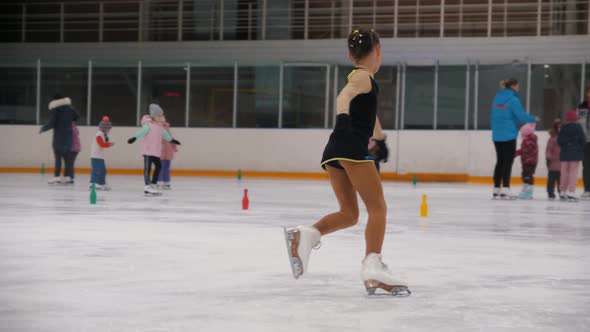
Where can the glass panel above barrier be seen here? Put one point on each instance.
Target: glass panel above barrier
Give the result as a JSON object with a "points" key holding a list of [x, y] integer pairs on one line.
{"points": [[304, 96], [451, 97], [258, 97], [555, 89], [114, 93], [18, 89], [419, 98], [211, 97]]}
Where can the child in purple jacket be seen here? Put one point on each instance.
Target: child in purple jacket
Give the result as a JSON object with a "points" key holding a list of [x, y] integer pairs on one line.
{"points": [[73, 153]]}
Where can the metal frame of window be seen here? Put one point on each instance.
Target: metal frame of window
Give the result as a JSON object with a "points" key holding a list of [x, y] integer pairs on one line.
{"points": [[332, 82]]}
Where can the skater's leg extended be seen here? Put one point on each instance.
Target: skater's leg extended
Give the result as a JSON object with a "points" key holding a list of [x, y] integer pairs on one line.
{"points": [[367, 182], [346, 196]]}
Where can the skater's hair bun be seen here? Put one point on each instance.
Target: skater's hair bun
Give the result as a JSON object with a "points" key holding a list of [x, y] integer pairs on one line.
{"points": [[509, 83], [361, 42]]}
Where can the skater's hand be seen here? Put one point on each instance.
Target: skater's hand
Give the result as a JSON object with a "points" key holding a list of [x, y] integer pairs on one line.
{"points": [[112, 143], [131, 140], [175, 142], [383, 151]]}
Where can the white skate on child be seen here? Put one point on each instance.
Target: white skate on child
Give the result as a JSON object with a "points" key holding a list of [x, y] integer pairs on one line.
{"points": [[150, 190], [300, 241], [55, 180], [376, 275]]}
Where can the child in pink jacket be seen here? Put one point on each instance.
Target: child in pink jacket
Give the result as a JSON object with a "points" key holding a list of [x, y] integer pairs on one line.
{"points": [[73, 153], [152, 133], [168, 150], [553, 162]]}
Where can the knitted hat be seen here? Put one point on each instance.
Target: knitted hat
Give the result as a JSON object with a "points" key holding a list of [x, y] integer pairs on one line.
{"points": [[105, 124], [571, 116], [156, 110], [527, 129]]}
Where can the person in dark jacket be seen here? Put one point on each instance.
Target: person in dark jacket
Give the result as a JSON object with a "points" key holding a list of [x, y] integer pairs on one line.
{"points": [[571, 140], [584, 121], [61, 116], [506, 115]]}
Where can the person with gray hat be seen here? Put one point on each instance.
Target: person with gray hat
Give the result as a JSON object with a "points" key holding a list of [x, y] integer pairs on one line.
{"points": [[152, 133]]}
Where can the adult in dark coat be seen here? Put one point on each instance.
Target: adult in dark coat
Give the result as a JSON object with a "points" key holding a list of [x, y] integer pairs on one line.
{"points": [[61, 116], [584, 121]]}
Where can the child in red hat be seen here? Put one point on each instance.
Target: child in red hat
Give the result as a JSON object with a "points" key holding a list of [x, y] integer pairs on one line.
{"points": [[99, 144]]}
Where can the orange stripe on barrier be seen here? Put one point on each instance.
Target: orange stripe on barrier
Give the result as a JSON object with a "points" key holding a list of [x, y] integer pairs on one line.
{"points": [[421, 177]]}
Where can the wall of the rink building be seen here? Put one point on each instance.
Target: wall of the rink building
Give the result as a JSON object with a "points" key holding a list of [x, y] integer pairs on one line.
{"points": [[461, 153]]}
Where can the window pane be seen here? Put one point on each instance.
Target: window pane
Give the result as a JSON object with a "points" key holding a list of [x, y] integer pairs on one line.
{"points": [[18, 95], [68, 82], [167, 88], [489, 80], [555, 89], [114, 93], [387, 80], [419, 98], [451, 97], [258, 97], [212, 95], [304, 97]]}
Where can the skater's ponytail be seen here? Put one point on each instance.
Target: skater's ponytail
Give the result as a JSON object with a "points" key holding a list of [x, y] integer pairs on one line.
{"points": [[509, 83], [361, 42]]}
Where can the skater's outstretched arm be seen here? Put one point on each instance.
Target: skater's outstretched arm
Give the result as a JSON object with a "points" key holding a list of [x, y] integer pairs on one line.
{"points": [[169, 138], [141, 133], [359, 81], [50, 124]]}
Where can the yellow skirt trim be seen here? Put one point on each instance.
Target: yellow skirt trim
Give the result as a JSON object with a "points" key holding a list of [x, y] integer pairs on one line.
{"points": [[347, 159]]}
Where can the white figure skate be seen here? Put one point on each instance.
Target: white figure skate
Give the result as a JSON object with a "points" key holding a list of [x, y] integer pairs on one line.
{"points": [[300, 241], [150, 190], [376, 275], [506, 193], [55, 180]]}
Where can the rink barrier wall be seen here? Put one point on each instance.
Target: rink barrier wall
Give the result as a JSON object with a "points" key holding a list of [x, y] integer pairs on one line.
{"points": [[433, 155], [421, 177]]}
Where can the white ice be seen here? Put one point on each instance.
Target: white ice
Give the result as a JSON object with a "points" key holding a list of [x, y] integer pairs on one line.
{"points": [[192, 260]]}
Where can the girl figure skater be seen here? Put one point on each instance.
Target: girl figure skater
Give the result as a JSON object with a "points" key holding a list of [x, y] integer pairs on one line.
{"points": [[351, 169], [98, 177], [152, 133]]}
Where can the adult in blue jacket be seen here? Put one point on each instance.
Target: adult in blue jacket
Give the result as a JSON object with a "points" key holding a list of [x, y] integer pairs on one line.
{"points": [[506, 116]]}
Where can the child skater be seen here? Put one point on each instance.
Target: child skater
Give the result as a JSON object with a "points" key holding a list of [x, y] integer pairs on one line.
{"points": [[99, 144], [152, 133], [351, 169], [74, 152], [553, 163], [571, 140], [529, 154], [168, 150]]}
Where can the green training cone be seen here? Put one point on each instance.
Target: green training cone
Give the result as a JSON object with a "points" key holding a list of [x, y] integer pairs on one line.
{"points": [[93, 194]]}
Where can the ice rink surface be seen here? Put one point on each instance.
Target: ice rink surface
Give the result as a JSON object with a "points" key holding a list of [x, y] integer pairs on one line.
{"points": [[192, 260]]}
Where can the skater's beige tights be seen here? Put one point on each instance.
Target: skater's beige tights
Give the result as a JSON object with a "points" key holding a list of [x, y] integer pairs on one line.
{"points": [[364, 179]]}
